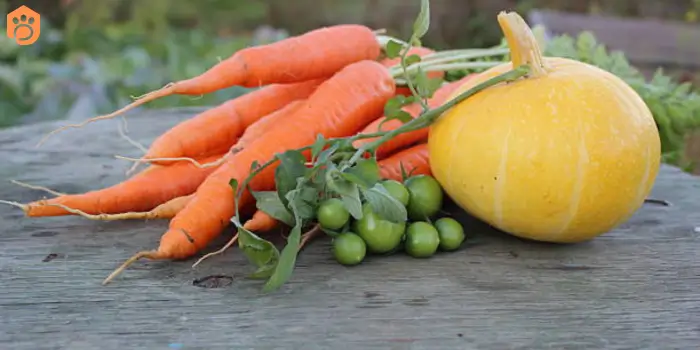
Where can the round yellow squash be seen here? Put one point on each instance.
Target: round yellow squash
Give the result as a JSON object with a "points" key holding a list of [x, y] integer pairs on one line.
{"points": [[564, 154]]}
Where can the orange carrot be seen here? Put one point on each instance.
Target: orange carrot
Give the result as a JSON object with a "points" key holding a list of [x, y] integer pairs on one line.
{"points": [[141, 193], [215, 130], [339, 107], [316, 54], [259, 128], [254, 131], [166, 210], [413, 159], [408, 138], [414, 50], [261, 221]]}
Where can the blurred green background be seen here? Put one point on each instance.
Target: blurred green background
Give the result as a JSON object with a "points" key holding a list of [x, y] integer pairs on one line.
{"points": [[93, 55]]}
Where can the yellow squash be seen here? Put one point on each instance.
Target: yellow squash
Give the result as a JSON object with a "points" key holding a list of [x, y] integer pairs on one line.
{"points": [[564, 154]]}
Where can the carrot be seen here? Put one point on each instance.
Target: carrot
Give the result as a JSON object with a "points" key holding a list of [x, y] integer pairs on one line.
{"points": [[414, 50], [166, 210], [215, 130], [141, 193], [254, 131], [339, 107], [316, 54], [265, 124], [413, 159], [414, 109], [261, 221]]}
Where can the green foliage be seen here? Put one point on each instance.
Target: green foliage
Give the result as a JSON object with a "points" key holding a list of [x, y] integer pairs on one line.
{"points": [[97, 61]]}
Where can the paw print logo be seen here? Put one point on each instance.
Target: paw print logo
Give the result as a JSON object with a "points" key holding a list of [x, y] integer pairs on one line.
{"points": [[23, 25]]}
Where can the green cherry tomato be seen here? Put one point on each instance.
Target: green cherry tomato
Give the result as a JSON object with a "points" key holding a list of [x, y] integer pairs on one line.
{"points": [[422, 240], [349, 248], [397, 190], [381, 236], [425, 197], [332, 214], [451, 233]]}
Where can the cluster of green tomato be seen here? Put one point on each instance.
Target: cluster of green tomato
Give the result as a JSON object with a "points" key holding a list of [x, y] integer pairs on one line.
{"points": [[421, 195]]}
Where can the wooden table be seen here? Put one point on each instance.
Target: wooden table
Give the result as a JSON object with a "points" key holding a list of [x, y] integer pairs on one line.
{"points": [[635, 288]]}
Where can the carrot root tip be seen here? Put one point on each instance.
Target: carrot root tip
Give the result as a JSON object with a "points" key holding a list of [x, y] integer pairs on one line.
{"points": [[122, 133], [228, 245], [149, 254], [24, 207], [132, 169], [39, 188], [153, 95]]}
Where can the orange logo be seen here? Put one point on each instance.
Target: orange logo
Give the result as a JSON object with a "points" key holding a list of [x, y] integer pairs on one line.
{"points": [[23, 25]]}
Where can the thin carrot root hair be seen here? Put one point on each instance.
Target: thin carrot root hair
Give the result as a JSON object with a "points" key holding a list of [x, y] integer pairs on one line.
{"points": [[231, 242], [215, 163], [259, 221], [146, 254], [96, 217], [24, 207], [153, 95], [122, 133], [132, 169], [40, 188]]}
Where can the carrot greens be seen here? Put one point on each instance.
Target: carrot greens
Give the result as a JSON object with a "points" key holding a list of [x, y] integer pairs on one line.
{"points": [[336, 169]]}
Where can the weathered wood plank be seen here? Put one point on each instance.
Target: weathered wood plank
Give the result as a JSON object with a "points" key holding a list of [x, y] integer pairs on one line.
{"points": [[634, 288], [644, 41]]}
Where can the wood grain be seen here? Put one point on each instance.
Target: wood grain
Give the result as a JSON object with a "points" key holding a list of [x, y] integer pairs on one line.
{"points": [[633, 288], [665, 42]]}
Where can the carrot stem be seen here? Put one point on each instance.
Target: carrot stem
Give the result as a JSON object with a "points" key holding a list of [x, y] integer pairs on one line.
{"points": [[464, 54]]}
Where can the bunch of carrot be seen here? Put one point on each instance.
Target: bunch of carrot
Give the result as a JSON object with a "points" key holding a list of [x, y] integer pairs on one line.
{"points": [[331, 81]]}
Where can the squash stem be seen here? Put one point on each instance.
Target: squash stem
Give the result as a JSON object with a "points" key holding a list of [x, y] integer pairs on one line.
{"points": [[524, 48]]}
